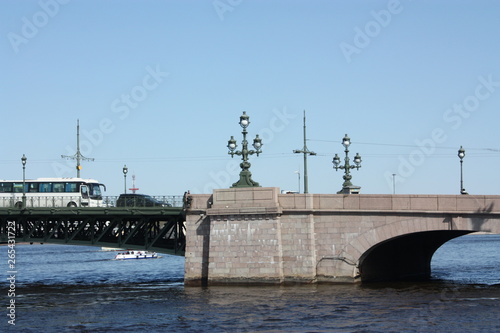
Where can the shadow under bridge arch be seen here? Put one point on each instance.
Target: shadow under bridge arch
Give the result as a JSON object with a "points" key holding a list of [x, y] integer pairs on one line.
{"points": [[406, 257]]}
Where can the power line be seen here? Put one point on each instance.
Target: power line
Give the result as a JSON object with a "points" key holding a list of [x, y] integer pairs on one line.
{"points": [[485, 152], [155, 159], [401, 145]]}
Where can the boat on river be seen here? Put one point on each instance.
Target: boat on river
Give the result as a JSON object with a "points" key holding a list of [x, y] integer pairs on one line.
{"points": [[136, 255]]}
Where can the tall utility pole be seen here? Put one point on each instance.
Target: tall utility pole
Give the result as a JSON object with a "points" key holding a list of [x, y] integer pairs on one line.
{"points": [[306, 152], [78, 156]]}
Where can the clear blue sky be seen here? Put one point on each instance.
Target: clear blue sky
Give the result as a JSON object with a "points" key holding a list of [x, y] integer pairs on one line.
{"points": [[160, 85]]}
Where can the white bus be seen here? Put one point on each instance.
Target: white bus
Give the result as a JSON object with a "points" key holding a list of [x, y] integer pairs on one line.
{"points": [[51, 192]]}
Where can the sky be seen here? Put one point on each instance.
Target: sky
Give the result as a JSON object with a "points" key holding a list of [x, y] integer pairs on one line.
{"points": [[159, 86]]}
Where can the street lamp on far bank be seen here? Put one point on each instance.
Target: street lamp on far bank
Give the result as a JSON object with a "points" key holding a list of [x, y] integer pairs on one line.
{"points": [[393, 183], [23, 161], [245, 174], [125, 170], [298, 174], [461, 155], [347, 186]]}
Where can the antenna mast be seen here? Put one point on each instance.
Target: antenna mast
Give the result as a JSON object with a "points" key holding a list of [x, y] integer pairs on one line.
{"points": [[133, 189], [78, 156]]}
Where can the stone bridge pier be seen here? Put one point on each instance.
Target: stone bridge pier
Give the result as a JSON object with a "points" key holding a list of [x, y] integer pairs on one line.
{"points": [[257, 235]]}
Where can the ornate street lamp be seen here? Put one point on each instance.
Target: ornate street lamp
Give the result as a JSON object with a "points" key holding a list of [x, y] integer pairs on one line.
{"points": [[245, 174], [461, 155], [347, 186], [23, 161], [125, 170]]}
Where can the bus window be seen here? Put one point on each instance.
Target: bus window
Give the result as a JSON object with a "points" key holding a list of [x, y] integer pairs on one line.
{"points": [[95, 191], [32, 187], [85, 191], [18, 187], [5, 187], [71, 187], [45, 187], [58, 187]]}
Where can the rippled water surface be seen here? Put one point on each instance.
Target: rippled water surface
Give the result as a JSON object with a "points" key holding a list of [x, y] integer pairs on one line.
{"points": [[81, 289]]}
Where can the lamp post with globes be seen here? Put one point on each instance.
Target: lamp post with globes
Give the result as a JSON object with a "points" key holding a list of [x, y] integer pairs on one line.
{"points": [[461, 155], [125, 170], [347, 186], [245, 174], [23, 161]]}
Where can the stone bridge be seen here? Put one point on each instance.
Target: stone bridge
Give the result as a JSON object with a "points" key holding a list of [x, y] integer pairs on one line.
{"points": [[257, 235]]}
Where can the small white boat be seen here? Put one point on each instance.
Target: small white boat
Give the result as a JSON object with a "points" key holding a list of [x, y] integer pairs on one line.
{"points": [[136, 255]]}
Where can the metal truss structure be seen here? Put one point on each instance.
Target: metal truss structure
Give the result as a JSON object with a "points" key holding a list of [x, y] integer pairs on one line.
{"points": [[159, 229]]}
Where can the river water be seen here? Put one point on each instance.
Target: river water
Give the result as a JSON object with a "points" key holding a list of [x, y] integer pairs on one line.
{"points": [[62, 288]]}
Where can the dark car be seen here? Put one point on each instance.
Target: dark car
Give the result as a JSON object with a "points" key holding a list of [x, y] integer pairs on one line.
{"points": [[139, 200]]}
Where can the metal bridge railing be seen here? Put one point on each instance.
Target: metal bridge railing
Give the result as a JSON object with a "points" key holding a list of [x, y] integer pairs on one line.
{"points": [[78, 201], [144, 201]]}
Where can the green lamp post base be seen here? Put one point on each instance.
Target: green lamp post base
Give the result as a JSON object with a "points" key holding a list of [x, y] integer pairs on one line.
{"points": [[246, 180], [352, 189]]}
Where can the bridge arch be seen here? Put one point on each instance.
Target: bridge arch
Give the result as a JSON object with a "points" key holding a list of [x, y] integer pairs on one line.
{"points": [[403, 257], [403, 249]]}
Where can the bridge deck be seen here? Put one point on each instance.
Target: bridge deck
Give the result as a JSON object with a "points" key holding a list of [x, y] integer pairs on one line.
{"points": [[159, 229]]}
